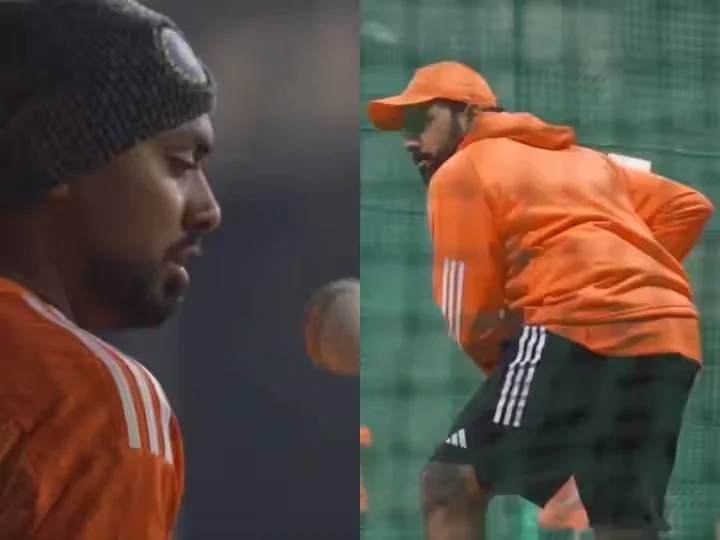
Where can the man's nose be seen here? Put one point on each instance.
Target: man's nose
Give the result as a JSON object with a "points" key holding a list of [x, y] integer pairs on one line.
{"points": [[211, 216], [204, 214]]}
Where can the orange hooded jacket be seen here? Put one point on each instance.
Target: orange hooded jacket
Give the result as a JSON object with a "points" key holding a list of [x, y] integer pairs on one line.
{"points": [[524, 221], [529, 227]]}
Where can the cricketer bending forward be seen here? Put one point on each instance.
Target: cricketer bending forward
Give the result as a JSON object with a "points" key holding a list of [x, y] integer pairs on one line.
{"points": [[559, 273]]}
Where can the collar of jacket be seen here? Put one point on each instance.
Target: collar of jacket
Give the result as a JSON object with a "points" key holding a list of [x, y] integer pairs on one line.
{"points": [[521, 127]]}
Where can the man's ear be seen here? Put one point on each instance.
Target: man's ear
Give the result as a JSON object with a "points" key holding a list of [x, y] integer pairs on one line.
{"points": [[470, 115], [58, 193], [474, 111]]}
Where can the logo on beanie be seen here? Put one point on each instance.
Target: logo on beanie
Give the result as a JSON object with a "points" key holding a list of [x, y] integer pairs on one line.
{"points": [[180, 56]]}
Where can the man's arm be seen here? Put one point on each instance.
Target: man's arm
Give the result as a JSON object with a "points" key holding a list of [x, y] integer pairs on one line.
{"points": [[75, 492], [468, 274], [18, 490], [675, 213], [67, 466]]}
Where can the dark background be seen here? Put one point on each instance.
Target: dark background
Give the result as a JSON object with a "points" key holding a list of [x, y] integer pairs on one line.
{"points": [[271, 442]]}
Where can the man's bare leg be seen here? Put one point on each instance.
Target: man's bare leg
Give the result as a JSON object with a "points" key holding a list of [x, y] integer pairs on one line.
{"points": [[454, 505]]}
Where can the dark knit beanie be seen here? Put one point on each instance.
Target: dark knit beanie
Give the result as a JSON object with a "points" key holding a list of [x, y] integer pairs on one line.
{"points": [[81, 81]]}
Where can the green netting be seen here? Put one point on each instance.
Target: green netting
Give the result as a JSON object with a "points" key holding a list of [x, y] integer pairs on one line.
{"points": [[641, 77]]}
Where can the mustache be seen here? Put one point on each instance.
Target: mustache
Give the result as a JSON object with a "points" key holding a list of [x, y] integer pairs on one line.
{"points": [[191, 243]]}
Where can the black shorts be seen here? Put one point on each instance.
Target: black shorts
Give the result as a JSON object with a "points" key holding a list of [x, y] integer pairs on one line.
{"points": [[554, 409]]}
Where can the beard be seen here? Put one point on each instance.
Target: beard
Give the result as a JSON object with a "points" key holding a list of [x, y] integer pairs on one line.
{"points": [[437, 160], [133, 294]]}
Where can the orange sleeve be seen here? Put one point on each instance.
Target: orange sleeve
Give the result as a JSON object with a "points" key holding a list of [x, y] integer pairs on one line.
{"points": [[179, 473], [468, 267], [67, 470], [18, 493], [86, 493], [113, 495], [676, 214]]}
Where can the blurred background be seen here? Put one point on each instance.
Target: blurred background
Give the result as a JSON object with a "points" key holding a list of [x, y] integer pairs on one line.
{"points": [[640, 78], [271, 442]]}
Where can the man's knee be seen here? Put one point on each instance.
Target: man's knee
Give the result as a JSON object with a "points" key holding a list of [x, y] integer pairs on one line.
{"points": [[452, 487]]}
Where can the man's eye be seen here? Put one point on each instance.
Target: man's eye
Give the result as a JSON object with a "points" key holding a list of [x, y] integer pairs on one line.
{"points": [[181, 166]]}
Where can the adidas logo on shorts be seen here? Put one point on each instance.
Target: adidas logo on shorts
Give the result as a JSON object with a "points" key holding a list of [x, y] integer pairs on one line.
{"points": [[457, 439]]}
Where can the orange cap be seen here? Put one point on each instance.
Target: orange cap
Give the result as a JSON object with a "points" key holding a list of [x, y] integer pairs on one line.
{"points": [[442, 80]]}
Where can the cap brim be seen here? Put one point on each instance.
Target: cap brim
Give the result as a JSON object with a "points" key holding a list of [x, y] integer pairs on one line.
{"points": [[387, 114]]}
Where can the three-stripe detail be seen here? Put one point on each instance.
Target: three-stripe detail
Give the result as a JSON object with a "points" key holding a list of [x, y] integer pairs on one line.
{"points": [[453, 275], [126, 374], [519, 377], [457, 439]]}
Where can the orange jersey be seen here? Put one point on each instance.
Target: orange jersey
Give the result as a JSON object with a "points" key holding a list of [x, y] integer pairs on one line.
{"points": [[89, 447], [527, 225]]}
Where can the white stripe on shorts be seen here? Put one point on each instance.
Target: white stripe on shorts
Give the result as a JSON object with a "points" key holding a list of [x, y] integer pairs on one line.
{"points": [[532, 365], [519, 376]]}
